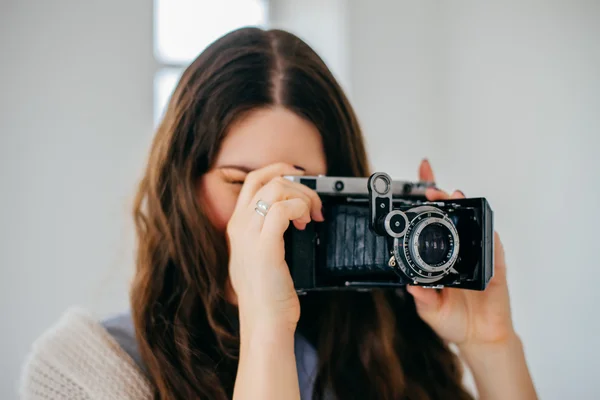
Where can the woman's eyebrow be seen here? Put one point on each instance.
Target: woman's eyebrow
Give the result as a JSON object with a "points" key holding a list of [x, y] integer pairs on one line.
{"points": [[242, 168]]}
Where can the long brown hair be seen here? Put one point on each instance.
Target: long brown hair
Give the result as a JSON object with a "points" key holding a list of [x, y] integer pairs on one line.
{"points": [[370, 345]]}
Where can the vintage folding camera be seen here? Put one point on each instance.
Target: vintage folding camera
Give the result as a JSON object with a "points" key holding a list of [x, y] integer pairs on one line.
{"points": [[381, 233]]}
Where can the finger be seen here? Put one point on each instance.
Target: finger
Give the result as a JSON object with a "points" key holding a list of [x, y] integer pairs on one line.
{"points": [[499, 260], [260, 177], [427, 301], [316, 206], [280, 189], [458, 194], [426, 172], [433, 194], [499, 253], [426, 297], [279, 216]]}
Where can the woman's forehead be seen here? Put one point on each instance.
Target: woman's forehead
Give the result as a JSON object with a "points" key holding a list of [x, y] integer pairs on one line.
{"points": [[267, 136]]}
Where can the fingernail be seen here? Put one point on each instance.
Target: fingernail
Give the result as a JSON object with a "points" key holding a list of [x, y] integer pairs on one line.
{"points": [[299, 167], [461, 193]]}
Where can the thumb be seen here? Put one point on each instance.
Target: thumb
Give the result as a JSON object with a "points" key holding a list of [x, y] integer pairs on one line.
{"points": [[427, 301]]}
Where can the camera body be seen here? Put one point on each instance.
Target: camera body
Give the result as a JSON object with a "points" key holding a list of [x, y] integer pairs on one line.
{"points": [[382, 233]]}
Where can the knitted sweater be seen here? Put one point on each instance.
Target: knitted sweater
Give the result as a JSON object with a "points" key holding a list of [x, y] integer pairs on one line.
{"points": [[78, 359]]}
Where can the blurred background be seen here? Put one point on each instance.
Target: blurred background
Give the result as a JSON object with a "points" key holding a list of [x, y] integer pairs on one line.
{"points": [[503, 97]]}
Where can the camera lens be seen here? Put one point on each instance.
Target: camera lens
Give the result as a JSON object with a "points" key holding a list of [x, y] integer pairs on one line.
{"points": [[434, 244], [431, 245], [339, 186]]}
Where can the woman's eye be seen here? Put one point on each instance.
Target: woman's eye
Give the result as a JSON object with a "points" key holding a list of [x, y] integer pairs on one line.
{"points": [[233, 176]]}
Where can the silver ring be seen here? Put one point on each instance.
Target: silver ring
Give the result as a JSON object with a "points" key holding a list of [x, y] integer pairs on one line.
{"points": [[262, 207]]}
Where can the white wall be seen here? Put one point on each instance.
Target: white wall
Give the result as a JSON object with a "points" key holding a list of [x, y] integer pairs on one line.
{"points": [[75, 121], [504, 97], [321, 24]]}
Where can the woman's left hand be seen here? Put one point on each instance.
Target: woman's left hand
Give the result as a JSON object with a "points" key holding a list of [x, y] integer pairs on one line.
{"points": [[466, 317]]}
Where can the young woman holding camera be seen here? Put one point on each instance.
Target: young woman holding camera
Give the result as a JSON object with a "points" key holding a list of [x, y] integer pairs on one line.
{"points": [[214, 313]]}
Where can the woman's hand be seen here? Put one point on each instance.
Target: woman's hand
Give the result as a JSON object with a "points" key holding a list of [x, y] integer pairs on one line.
{"points": [[466, 317], [268, 305], [259, 274], [479, 323]]}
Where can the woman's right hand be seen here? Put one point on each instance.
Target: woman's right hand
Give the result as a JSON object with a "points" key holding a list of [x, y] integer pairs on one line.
{"points": [[259, 274]]}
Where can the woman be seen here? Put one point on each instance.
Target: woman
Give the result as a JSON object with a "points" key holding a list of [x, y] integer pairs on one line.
{"points": [[214, 313]]}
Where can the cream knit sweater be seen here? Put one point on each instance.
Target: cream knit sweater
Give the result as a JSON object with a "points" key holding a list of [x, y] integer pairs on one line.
{"points": [[77, 359]]}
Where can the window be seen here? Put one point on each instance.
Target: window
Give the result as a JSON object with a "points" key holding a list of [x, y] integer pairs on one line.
{"points": [[183, 28]]}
